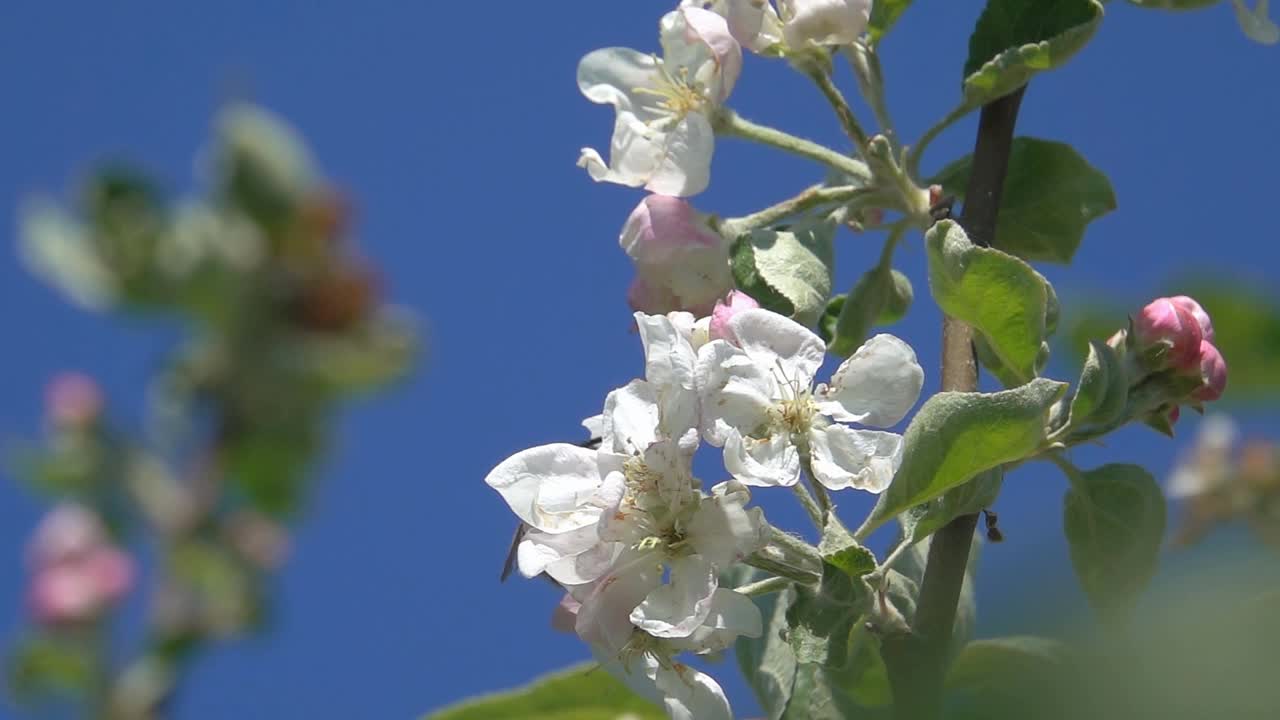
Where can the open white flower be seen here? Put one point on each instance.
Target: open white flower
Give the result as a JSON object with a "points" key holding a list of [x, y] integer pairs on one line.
{"points": [[662, 135], [759, 403]]}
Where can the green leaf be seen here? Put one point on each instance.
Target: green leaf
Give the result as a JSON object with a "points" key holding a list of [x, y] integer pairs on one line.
{"points": [[1050, 195], [1001, 296], [1007, 664], [957, 435], [831, 658], [1103, 389], [582, 692], [874, 300], [1114, 518], [1016, 39], [884, 14], [787, 271], [768, 663], [864, 305], [839, 548], [968, 498]]}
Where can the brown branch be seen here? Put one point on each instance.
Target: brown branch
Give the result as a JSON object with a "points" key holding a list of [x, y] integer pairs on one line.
{"points": [[918, 661]]}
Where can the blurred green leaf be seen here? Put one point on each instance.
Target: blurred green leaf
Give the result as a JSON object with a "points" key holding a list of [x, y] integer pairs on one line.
{"points": [[955, 436], [787, 271], [49, 664], [582, 692], [1050, 195], [998, 294], [1114, 518], [884, 14], [1016, 39], [767, 662]]}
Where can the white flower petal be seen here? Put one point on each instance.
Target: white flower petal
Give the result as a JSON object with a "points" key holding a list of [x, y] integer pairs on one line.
{"points": [[699, 42], [875, 386], [669, 367], [826, 22], [732, 615], [862, 459], [631, 417], [753, 23], [688, 694], [772, 340], [605, 616], [679, 607], [723, 530], [550, 487], [746, 404], [610, 76], [594, 426], [538, 549], [770, 462]]}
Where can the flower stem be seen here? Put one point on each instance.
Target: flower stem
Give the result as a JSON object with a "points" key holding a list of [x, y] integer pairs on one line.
{"points": [[763, 587], [809, 503], [917, 661], [815, 196], [728, 122], [848, 120], [917, 150], [865, 62], [819, 492]]}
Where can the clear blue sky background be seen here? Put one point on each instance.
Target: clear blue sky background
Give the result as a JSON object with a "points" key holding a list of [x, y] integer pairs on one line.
{"points": [[456, 126]]}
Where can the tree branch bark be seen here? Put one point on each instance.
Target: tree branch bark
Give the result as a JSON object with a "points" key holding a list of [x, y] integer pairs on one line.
{"points": [[918, 661]]}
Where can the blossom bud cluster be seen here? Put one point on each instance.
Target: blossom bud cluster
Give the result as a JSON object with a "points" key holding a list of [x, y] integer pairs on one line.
{"points": [[76, 570], [633, 537], [1175, 333]]}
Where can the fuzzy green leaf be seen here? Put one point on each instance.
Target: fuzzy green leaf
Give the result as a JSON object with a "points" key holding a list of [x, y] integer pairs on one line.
{"points": [[787, 271], [955, 436], [884, 13], [1001, 296], [1103, 388], [1016, 39]]}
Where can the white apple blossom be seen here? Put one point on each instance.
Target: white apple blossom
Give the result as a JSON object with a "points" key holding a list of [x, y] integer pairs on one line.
{"points": [[824, 22], [759, 403], [662, 136]]}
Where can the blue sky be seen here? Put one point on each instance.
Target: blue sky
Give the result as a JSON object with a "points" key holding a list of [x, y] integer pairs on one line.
{"points": [[456, 126]]}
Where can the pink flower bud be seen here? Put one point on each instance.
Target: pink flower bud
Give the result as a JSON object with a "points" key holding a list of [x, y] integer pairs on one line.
{"points": [[73, 401], [77, 572], [681, 264], [736, 302], [1165, 325], [1193, 307], [1213, 373]]}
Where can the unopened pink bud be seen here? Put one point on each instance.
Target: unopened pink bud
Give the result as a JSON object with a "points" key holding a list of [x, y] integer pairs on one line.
{"points": [[1213, 373], [736, 302], [681, 263], [76, 571], [73, 400], [1202, 317], [1165, 323]]}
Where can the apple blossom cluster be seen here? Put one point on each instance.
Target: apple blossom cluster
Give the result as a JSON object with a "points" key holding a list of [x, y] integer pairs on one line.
{"points": [[76, 572], [631, 535]]}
